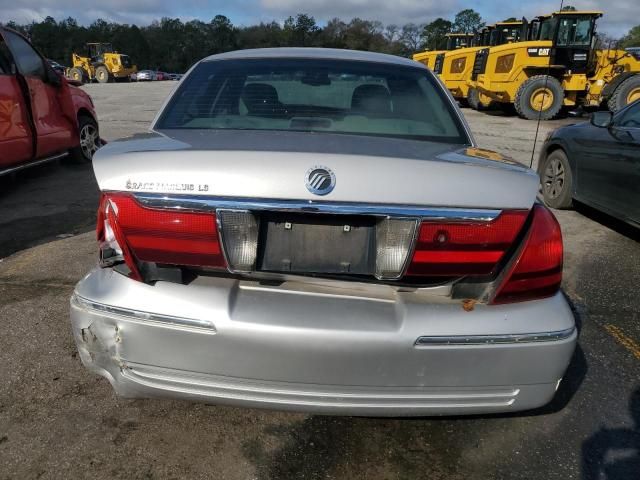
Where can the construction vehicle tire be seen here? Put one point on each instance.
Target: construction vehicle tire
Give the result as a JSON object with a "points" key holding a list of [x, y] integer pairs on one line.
{"points": [[540, 97], [77, 74], [102, 74], [626, 93], [473, 99]]}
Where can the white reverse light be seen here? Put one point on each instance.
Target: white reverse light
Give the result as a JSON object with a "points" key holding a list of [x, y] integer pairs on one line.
{"points": [[239, 230], [394, 239]]}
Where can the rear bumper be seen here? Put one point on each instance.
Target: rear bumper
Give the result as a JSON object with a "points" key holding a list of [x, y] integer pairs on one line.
{"points": [[320, 347]]}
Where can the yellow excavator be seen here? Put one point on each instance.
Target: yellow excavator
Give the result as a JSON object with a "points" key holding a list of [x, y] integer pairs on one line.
{"points": [[453, 42], [557, 66], [102, 63]]}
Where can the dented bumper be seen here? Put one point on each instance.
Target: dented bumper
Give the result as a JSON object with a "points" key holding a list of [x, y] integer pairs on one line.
{"points": [[321, 347]]}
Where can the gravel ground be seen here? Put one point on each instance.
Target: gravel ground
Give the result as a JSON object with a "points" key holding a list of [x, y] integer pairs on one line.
{"points": [[59, 421]]}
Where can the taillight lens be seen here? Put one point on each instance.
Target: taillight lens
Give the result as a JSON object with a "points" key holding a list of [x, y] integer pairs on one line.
{"points": [[161, 236], [537, 272], [113, 245], [464, 249]]}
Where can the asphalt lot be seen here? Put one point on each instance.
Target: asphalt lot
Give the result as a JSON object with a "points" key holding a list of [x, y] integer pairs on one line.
{"points": [[59, 421]]}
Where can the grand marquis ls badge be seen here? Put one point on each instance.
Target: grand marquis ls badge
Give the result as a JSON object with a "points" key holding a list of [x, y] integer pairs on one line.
{"points": [[320, 180]]}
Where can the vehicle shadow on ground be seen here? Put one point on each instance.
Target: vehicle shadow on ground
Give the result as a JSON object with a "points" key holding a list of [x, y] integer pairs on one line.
{"points": [[356, 447], [44, 202], [324, 446], [608, 221], [614, 453], [330, 447]]}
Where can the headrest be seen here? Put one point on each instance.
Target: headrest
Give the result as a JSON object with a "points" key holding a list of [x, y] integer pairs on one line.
{"points": [[374, 99]]}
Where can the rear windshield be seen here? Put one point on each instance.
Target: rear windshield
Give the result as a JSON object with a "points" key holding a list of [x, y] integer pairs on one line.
{"points": [[361, 98]]}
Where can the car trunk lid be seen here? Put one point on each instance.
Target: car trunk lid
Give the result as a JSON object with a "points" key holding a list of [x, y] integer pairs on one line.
{"points": [[275, 165]]}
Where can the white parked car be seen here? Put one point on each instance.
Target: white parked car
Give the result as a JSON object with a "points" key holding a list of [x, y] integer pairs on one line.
{"points": [[316, 230], [146, 76]]}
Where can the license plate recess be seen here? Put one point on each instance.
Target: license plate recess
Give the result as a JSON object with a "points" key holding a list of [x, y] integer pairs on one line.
{"points": [[316, 243]]}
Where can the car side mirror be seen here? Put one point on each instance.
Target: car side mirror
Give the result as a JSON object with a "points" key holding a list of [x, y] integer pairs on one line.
{"points": [[51, 76], [602, 119]]}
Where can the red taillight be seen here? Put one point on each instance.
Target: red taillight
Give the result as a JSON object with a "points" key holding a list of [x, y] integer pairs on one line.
{"points": [[537, 272], [160, 236], [455, 249]]}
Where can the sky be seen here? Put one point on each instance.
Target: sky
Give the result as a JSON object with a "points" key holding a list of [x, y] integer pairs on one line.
{"points": [[619, 16]]}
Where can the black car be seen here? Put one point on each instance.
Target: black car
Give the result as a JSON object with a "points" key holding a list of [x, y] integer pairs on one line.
{"points": [[57, 67], [596, 163]]}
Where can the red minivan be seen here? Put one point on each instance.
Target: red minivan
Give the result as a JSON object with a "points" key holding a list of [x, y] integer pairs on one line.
{"points": [[42, 116]]}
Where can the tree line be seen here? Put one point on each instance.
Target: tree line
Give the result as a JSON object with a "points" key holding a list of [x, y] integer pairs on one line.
{"points": [[172, 45]]}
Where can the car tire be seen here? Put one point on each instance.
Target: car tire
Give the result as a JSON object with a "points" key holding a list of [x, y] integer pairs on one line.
{"points": [[77, 74], [102, 74], [556, 180], [627, 92], [540, 96], [89, 140]]}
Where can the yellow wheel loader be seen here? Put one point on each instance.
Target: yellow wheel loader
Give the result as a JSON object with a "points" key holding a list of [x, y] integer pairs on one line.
{"points": [[455, 67], [102, 64], [454, 41], [557, 66]]}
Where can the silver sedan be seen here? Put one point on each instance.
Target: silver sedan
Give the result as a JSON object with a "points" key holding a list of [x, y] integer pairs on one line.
{"points": [[316, 230], [146, 76]]}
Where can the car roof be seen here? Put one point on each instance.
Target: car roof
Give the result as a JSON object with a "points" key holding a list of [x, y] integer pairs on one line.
{"points": [[315, 53]]}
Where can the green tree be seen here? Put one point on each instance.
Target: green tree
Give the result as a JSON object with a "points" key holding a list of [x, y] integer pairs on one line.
{"points": [[44, 36], [301, 30], [631, 39], [365, 35], [260, 36], [333, 35], [433, 34], [467, 21], [223, 35]]}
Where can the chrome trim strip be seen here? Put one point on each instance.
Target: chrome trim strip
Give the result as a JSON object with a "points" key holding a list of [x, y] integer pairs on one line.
{"points": [[211, 204], [33, 164], [456, 340], [138, 315]]}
